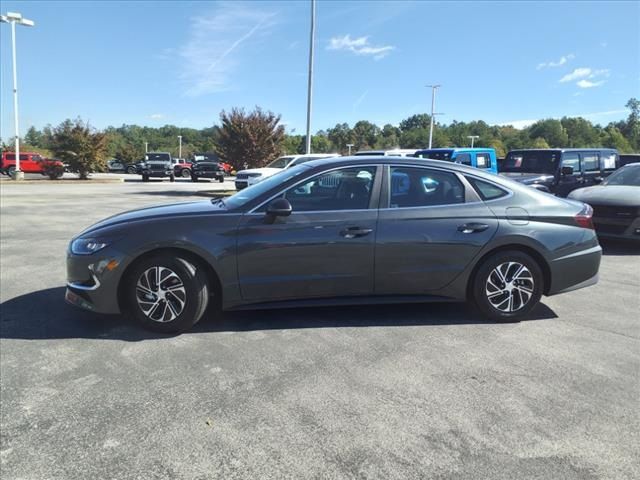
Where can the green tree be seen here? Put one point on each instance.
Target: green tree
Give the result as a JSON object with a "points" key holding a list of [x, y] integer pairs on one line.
{"points": [[81, 146], [612, 137], [33, 137], [580, 132], [340, 136], [365, 135], [420, 120], [129, 153], [255, 138], [539, 143], [551, 131]]}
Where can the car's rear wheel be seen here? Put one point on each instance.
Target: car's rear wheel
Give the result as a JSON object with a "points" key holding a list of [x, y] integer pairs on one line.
{"points": [[131, 169], [507, 286], [10, 169], [145, 178], [172, 178], [221, 179], [167, 293], [185, 173], [194, 178]]}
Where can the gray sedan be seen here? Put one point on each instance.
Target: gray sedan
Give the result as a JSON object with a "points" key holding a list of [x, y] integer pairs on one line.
{"points": [[616, 203], [334, 232]]}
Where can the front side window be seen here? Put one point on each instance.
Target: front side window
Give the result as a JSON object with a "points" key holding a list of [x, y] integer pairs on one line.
{"points": [[571, 160], [345, 189], [464, 159], [590, 161], [628, 175], [422, 187]]}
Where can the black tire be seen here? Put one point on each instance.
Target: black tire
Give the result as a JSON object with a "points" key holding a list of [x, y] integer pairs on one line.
{"points": [[189, 304], [185, 173], [221, 179], [518, 299], [194, 178], [172, 178], [131, 170], [9, 171], [145, 178]]}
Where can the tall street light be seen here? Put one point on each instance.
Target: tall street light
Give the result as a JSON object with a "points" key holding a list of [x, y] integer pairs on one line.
{"points": [[349, 145], [473, 137], [179, 146], [433, 113], [310, 85], [146, 147], [13, 18]]}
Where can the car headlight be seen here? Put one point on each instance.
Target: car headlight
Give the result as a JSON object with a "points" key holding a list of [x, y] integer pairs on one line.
{"points": [[87, 246]]}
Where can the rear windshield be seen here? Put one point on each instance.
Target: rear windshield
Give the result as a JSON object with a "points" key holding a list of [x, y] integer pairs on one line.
{"points": [[531, 161], [435, 154]]}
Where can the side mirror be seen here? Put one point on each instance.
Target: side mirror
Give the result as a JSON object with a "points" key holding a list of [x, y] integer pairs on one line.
{"points": [[566, 171], [280, 207], [598, 180]]}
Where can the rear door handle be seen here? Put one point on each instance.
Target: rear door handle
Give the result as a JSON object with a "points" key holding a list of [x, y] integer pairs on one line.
{"points": [[353, 232], [473, 227]]}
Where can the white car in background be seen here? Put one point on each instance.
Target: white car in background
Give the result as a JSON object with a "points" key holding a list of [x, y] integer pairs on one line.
{"points": [[246, 178], [396, 152]]}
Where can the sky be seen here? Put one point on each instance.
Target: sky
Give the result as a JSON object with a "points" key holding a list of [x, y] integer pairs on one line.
{"points": [[181, 63]]}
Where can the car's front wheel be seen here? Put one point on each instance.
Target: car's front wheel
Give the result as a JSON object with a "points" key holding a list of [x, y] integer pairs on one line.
{"points": [[507, 286], [166, 293], [185, 173]]}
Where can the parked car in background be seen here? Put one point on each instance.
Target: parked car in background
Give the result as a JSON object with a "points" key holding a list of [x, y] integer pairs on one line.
{"points": [[115, 165], [157, 165], [246, 178], [32, 162], [328, 232], [626, 158], [397, 152], [482, 158], [559, 171], [616, 203], [211, 170], [183, 167]]}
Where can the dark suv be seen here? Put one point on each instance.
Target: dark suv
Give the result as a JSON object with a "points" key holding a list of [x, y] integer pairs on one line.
{"points": [[207, 170], [158, 165], [559, 171]]}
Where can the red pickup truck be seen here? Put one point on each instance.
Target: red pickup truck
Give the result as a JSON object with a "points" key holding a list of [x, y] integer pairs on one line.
{"points": [[31, 162]]}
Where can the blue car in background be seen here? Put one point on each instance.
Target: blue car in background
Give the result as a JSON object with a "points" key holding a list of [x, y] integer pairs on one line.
{"points": [[482, 158]]}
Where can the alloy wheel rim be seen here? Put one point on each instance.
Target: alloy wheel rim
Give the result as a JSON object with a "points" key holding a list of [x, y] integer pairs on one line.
{"points": [[185, 173], [161, 294], [509, 287]]}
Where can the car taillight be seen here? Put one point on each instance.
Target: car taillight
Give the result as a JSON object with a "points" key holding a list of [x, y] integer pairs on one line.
{"points": [[584, 219]]}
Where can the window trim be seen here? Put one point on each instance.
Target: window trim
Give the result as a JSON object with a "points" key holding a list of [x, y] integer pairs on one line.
{"points": [[373, 203], [470, 195]]}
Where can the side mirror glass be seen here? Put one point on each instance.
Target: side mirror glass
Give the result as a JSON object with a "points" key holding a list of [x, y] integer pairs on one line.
{"points": [[280, 207], [567, 171]]}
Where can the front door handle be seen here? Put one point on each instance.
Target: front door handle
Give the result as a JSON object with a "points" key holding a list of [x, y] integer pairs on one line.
{"points": [[473, 227], [353, 232]]}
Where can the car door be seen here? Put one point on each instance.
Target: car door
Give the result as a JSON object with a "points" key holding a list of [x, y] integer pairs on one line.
{"points": [[325, 248], [592, 171], [432, 228], [567, 183]]}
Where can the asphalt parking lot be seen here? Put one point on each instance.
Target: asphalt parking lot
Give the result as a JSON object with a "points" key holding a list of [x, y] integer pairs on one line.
{"points": [[398, 392]]}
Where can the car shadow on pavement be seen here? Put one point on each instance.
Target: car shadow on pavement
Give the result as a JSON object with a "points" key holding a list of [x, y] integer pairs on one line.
{"points": [[620, 247], [45, 315]]}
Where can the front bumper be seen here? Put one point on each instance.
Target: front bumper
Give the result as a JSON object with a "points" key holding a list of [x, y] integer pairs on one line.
{"points": [[92, 280], [156, 174]]}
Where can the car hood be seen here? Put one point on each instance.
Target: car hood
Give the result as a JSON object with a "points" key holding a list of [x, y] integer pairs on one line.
{"points": [[160, 211], [615, 195], [266, 171], [527, 178]]}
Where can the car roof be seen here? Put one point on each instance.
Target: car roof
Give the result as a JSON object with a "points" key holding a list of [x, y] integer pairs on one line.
{"points": [[563, 150], [456, 149]]}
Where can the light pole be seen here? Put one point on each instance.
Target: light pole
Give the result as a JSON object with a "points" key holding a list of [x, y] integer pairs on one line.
{"points": [[473, 137], [349, 145], [433, 113], [179, 146], [13, 18], [310, 85], [146, 147]]}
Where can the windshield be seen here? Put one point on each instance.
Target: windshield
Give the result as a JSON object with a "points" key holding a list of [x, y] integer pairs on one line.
{"points": [[531, 161], [257, 189], [435, 154], [157, 157], [625, 176], [281, 162]]}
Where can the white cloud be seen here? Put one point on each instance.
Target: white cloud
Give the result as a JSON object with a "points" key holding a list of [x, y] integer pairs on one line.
{"points": [[564, 59], [156, 116], [519, 124], [585, 76], [206, 60], [589, 84], [576, 74], [359, 46]]}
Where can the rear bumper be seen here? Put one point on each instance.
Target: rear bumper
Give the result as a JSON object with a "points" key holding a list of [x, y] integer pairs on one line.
{"points": [[574, 271], [607, 227]]}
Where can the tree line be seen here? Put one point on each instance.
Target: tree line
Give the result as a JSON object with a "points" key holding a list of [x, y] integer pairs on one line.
{"points": [[257, 137]]}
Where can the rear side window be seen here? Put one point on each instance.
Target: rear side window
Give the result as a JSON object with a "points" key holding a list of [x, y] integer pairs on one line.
{"points": [[571, 160], [483, 160], [590, 162], [609, 161], [486, 190], [423, 187]]}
